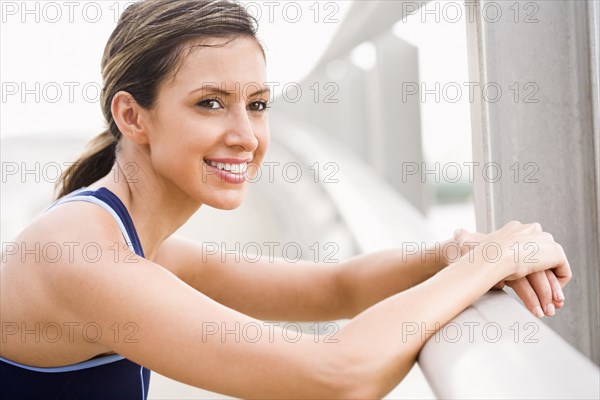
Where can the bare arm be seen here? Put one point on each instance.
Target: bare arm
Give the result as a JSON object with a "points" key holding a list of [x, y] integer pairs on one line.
{"points": [[184, 335], [268, 289], [378, 339], [382, 341], [174, 339], [304, 291], [369, 278]]}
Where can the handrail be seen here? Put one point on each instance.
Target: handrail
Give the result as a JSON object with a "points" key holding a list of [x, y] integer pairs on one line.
{"points": [[496, 349]]}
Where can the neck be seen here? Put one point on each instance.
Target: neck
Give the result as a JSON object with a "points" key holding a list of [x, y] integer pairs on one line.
{"points": [[157, 207]]}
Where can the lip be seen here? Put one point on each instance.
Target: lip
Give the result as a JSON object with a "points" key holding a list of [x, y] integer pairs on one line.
{"points": [[225, 176], [229, 160]]}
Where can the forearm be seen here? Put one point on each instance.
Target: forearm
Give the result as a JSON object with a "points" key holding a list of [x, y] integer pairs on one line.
{"points": [[370, 278], [383, 341]]}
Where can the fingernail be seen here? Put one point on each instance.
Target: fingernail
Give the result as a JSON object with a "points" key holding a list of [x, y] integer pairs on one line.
{"points": [[559, 305], [560, 294], [538, 311], [550, 309]]}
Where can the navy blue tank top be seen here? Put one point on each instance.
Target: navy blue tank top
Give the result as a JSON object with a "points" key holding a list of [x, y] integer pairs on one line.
{"points": [[105, 377]]}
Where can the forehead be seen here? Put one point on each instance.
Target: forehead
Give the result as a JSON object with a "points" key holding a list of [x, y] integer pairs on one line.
{"points": [[228, 63]]}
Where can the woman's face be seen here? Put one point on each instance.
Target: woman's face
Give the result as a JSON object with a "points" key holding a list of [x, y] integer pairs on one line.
{"points": [[210, 122]]}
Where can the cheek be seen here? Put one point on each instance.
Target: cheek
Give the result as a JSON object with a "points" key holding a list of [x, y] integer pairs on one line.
{"points": [[169, 159], [176, 151]]}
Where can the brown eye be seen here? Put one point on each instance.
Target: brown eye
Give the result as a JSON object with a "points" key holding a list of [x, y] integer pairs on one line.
{"points": [[213, 104], [259, 106]]}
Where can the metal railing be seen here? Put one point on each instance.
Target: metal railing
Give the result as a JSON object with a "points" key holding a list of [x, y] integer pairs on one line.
{"points": [[496, 349]]}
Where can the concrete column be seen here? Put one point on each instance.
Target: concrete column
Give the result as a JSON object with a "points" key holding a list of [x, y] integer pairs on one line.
{"points": [[332, 104], [542, 131], [399, 118], [366, 112]]}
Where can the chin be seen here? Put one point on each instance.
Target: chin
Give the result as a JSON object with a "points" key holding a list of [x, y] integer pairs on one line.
{"points": [[227, 205], [226, 202]]}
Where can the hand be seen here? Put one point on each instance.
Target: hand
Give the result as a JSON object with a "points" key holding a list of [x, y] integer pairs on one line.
{"points": [[540, 291]]}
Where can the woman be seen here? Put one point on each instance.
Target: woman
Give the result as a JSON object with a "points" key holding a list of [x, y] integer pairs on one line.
{"points": [[185, 102]]}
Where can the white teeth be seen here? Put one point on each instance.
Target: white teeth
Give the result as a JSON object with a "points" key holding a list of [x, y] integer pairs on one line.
{"points": [[235, 168], [239, 168]]}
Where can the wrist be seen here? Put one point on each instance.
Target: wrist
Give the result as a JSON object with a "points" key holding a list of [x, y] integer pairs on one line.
{"points": [[449, 252], [492, 270], [438, 256]]}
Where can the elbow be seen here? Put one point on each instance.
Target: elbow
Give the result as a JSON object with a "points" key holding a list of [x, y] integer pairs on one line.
{"points": [[351, 387], [362, 391], [347, 378], [343, 387]]}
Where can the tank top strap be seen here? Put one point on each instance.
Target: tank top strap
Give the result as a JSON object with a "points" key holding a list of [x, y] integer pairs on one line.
{"points": [[115, 207]]}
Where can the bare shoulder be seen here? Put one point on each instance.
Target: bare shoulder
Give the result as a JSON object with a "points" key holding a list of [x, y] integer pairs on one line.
{"points": [[70, 233], [41, 267]]}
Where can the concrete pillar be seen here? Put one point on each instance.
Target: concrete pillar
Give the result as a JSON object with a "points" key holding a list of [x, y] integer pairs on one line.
{"points": [[366, 112], [332, 104], [399, 117], [543, 134]]}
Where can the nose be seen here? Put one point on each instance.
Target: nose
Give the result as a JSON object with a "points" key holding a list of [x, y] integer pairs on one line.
{"points": [[240, 131]]}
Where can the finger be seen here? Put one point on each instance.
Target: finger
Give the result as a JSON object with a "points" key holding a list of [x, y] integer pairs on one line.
{"points": [[523, 289], [557, 292], [462, 234], [499, 285], [534, 227], [458, 234], [563, 269], [541, 286]]}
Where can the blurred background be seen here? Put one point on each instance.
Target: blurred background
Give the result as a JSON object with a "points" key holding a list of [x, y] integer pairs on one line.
{"points": [[50, 68], [370, 123]]}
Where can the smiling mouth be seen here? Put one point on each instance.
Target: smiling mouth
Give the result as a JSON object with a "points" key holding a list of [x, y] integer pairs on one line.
{"points": [[228, 167]]}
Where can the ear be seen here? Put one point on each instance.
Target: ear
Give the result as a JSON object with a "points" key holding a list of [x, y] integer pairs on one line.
{"points": [[127, 114]]}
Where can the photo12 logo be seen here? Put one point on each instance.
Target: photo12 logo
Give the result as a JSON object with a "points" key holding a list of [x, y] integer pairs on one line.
{"points": [[253, 252], [470, 332], [526, 12], [253, 332], [55, 12], [70, 331], [469, 171]]}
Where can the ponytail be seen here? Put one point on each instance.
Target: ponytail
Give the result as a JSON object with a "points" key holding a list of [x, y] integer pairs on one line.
{"points": [[95, 163]]}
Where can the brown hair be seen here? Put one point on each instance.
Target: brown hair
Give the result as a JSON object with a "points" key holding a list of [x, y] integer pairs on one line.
{"points": [[143, 50]]}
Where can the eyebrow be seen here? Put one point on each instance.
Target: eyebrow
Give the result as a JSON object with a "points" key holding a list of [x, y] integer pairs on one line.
{"points": [[214, 89]]}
